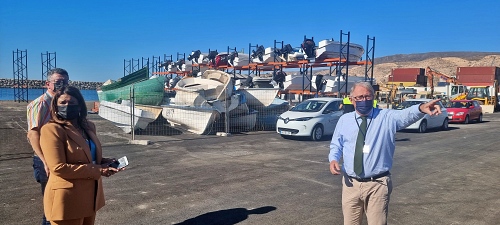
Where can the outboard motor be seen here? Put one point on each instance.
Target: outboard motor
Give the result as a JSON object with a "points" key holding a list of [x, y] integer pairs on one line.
{"points": [[174, 81], [165, 64], [308, 46], [285, 51], [248, 82], [232, 57], [194, 73], [180, 64], [319, 82], [259, 53], [194, 55], [221, 60], [168, 79], [211, 57], [279, 77]]}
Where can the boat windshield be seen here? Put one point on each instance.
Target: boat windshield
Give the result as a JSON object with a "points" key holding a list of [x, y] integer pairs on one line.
{"points": [[407, 104], [309, 106]]}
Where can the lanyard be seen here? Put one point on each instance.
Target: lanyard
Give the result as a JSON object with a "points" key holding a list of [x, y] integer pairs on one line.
{"points": [[359, 127]]}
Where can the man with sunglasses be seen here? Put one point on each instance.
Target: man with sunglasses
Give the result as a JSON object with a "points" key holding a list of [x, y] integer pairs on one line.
{"points": [[365, 141], [38, 114]]}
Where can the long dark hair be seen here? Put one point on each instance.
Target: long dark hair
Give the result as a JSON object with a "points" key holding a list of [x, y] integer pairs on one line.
{"points": [[75, 93]]}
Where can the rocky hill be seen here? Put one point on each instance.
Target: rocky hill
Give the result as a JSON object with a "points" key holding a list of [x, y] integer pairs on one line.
{"points": [[444, 62]]}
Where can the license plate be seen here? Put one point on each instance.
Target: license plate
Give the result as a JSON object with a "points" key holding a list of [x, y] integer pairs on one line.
{"points": [[286, 132], [450, 117]]}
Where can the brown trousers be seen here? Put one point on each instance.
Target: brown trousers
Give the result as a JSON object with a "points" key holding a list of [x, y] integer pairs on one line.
{"points": [[371, 198]]}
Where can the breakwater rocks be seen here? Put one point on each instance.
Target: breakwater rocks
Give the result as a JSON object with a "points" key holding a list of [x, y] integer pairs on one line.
{"points": [[82, 85]]}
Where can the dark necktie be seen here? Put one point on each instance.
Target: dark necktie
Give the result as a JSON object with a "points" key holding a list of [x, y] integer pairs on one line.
{"points": [[360, 142]]}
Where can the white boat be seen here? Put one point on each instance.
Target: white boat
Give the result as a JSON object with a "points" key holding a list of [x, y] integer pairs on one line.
{"points": [[259, 97], [243, 122], [262, 82], [121, 115], [333, 83], [296, 82], [211, 86], [331, 49], [330, 83], [199, 101], [197, 120]]}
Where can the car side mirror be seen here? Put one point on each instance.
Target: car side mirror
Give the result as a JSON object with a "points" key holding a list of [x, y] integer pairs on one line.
{"points": [[471, 107], [326, 111]]}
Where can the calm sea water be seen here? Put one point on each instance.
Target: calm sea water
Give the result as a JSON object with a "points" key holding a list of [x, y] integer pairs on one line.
{"points": [[8, 94]]}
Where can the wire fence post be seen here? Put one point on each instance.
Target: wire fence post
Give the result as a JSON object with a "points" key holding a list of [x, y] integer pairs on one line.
{"points": [[226, 115], [132, 111]]}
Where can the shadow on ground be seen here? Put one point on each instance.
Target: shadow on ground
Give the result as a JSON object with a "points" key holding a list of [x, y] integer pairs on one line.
{"points": [[226, 217]]}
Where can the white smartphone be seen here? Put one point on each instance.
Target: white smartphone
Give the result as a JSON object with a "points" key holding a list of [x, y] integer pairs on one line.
{"points": [[120, 163]]}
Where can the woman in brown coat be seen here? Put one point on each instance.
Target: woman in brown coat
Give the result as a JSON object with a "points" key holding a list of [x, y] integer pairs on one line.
{"points": [[73, 153]]}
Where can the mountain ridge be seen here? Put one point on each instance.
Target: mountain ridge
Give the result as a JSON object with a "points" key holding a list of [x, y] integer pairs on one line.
{"points": [[444, 62], [422, 56]]}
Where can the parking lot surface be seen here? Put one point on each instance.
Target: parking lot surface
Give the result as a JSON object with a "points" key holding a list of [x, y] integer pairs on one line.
{"points": [[439, 177]]}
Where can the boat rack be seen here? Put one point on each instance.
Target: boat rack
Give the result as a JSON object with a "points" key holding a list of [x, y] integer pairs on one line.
{"points": [[335, 65]]}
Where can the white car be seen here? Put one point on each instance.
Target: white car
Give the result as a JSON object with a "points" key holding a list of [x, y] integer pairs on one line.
{"points": [[312, 118], [428, 122]]}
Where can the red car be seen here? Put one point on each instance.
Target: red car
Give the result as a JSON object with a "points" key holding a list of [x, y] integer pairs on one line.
{"points": [[463, 111]]}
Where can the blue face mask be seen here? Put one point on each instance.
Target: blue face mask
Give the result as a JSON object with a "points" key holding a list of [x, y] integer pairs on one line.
{"points": [[364, 107]]}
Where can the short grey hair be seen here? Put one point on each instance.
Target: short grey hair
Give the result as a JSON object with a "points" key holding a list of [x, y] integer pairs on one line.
{"points": [[57, 71], [364, 84]]}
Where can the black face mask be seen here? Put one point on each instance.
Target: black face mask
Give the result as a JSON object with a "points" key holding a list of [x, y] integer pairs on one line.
{"points": [[68, 112], [59, 85]]}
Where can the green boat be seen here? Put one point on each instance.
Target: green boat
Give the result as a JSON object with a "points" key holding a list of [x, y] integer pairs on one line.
{"points": [[139, 75], [146, 91]]}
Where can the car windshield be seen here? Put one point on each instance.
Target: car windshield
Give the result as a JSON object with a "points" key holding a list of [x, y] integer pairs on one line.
{"points": [[462, 105], [407, 104], [309, 106]]}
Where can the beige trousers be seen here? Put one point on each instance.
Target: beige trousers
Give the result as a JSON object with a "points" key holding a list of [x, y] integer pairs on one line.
{"points": [[371, 198]]}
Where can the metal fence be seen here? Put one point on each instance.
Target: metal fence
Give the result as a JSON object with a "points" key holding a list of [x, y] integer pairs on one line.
{"points": [[240, 112]]}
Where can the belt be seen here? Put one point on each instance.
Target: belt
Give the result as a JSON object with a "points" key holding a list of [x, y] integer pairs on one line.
{"points": [[368, 179]]}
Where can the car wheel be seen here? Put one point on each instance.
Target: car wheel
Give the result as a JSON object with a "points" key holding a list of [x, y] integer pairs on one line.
{"points": [[480, 119], [317, 133], [445, 124], [423, 126], [466, 121]]}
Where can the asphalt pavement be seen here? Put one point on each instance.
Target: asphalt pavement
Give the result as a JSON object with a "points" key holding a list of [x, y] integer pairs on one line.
{"points": [[440, 177]]}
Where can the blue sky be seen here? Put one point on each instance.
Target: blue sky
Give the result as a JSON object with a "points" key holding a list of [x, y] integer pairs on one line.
{"points": [[92, 38]]}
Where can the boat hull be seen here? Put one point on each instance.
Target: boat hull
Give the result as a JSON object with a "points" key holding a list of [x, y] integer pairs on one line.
{"points": [[328, 49], [148, 92], [120, 115], [245, 122], [196, 120], [259, 97]]}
